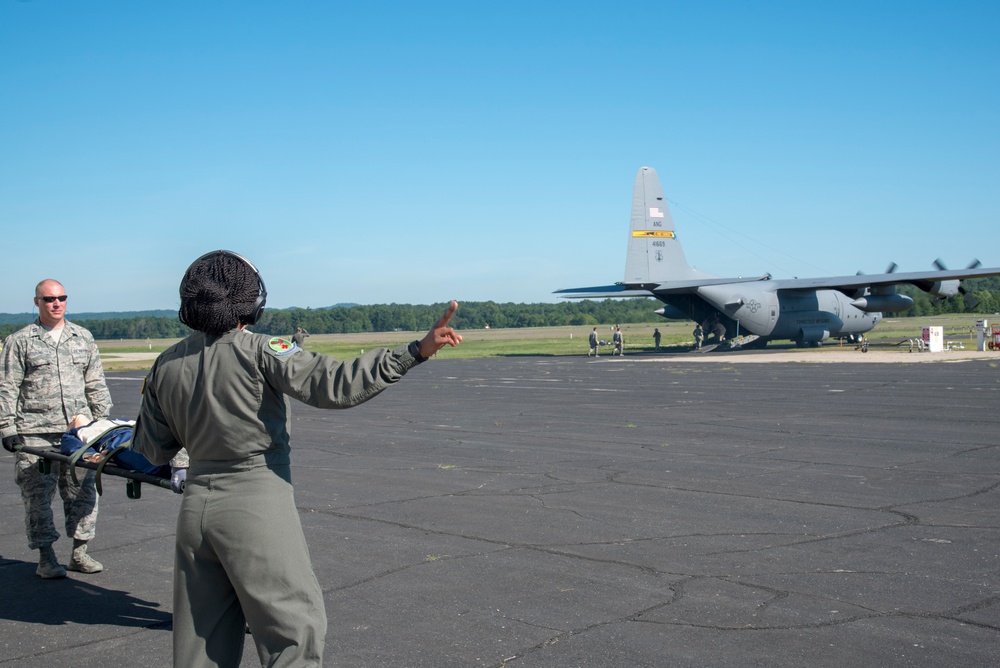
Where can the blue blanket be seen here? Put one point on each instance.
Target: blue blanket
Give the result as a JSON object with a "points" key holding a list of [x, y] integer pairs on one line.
{"points": [[126, 458]]}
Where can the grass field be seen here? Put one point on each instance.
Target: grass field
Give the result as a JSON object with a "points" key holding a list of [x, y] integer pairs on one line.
{"points": [[676, 336]]}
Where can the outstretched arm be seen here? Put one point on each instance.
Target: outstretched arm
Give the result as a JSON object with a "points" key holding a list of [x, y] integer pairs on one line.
{"points": [[440, 335]]}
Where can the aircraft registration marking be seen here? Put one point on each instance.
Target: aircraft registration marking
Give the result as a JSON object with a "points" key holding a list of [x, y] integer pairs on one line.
{"points": [[654, 233]]}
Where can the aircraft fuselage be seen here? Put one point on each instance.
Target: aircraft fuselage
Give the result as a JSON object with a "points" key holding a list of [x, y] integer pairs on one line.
{"points": [[805, 316]]}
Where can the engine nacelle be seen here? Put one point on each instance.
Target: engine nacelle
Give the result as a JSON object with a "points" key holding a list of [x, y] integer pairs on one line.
{"points": [[944, 289], [883, 303]]}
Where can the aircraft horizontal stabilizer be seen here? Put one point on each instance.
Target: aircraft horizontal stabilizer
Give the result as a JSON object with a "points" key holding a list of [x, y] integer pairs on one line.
{"points": [[679, 287], [652, 289], [609, 291]]}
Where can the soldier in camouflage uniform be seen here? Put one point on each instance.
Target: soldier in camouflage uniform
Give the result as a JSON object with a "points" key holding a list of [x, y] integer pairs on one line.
{"points": [[52, 372]]}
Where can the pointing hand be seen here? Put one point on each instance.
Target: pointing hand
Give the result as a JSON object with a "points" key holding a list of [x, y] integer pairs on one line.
{"points": [[441, 334]]}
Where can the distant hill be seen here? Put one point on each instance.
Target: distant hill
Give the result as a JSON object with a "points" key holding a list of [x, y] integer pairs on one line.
{"points": [[25, 318]]}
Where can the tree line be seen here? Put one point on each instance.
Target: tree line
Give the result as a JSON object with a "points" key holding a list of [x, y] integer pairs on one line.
{"points": [[478, 315]]}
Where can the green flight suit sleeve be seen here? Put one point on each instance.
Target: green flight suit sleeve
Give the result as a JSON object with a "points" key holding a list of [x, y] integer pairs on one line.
{"points": [[325, 382]]}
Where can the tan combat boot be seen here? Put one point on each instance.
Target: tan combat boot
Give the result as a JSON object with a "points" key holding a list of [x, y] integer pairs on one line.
{"points": [[49, 567], [81, 562]]}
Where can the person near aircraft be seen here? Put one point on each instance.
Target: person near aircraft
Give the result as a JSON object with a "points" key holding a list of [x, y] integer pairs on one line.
{"points": [[719, 331], [656, 339], [594, 343], [299, 337], [618, 342], [51, 371], [240, 552], [699, 336]]}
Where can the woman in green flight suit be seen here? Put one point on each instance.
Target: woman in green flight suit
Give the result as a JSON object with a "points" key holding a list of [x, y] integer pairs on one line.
{"points": [[241, 557]]}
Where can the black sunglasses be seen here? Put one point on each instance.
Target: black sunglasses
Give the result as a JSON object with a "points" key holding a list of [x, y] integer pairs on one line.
{"points": [[49, 300]]}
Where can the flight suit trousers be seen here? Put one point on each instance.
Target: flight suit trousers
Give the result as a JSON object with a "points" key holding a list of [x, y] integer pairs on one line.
{"points": [[241, 559], [38, 489]]}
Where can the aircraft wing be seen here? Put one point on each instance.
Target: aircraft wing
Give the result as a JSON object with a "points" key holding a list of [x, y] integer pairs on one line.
{"points": [[925, 280], [920, 279]]}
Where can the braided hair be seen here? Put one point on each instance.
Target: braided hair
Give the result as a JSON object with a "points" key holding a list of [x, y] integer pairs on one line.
{"points": [[218, 292]]}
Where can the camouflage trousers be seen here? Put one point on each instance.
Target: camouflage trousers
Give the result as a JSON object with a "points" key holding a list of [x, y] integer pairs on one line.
{"points": [[38, 489]]}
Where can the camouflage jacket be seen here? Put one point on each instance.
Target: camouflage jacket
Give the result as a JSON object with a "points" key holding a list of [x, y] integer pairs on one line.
{"points": [[43, 385]]}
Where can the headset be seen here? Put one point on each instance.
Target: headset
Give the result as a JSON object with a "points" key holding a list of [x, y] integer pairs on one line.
{"points": [[258, 305]]}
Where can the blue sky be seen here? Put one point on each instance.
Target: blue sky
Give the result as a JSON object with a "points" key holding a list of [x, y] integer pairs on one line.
{"points": [[418, 152]]}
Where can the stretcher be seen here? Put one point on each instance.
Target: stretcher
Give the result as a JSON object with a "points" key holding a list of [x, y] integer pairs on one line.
{"points": [[134, 479]]}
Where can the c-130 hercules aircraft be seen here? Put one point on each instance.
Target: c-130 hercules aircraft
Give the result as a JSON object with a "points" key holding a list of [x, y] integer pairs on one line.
{"points": [[805, 310]]}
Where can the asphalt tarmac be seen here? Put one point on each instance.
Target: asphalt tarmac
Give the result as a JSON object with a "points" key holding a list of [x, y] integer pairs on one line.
{"points": [[539, 512]]}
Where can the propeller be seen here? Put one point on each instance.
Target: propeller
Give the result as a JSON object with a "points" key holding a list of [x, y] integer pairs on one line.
{"points": [[970, 301], [866, 291], [939, 264]]}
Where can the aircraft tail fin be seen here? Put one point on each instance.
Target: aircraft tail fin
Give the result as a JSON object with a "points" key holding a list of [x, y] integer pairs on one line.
{"points": [[654, 251]]}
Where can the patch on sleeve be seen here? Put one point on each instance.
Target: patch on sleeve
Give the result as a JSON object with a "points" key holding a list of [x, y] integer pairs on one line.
{"points": [[281, 346]]}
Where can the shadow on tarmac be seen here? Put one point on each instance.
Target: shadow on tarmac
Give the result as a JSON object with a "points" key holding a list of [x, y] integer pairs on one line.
{"points": [[28, 599]]}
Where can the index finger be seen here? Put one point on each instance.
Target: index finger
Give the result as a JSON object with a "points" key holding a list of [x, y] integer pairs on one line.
{"points": [[443, 322]]}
